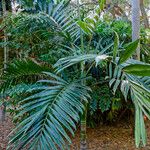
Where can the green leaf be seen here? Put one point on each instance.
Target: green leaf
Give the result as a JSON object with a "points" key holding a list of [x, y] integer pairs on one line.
{"points": [[116, 44], [143, 130], [137, 125], [129, 50], [87, 28], [66, 62], [141, 98], [102, 4], [138, 69]]}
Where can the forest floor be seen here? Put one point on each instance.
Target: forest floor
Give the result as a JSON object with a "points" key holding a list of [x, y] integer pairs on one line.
{"points": [[110, 137]]}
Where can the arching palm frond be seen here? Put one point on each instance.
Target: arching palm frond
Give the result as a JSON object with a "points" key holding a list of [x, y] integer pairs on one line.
{"points": [[146, 81], [24, 67], [53, 110], [132, 77], [61, 13], [17, 90], [63, 16], [141, 99], [20, 71], [66, 62], [138, 88], [72, 60], [122, 77]]}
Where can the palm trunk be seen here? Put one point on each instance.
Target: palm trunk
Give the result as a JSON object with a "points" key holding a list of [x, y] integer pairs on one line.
{"points": [[2, 113], [136, 24], [83, 135], [83, 143], [144, 15]]}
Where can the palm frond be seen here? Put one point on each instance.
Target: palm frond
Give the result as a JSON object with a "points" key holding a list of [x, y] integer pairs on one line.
{"points": [[138, 88], [63, 16], [53, 110], [141, 99], [20, 71], [66, 62], [24, 67]]}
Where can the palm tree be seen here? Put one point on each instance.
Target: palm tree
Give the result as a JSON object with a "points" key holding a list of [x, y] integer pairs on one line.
{"points": [[54, 105], [51, 108], [136, 24]]}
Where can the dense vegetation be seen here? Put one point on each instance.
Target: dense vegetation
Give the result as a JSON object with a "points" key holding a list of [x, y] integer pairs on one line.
{"points": [[66, 66]]}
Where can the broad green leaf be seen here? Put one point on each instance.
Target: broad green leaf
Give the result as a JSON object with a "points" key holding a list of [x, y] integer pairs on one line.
{"points": [[116, 44], [129, 50], [116, 85], [138, 69], [87, 28], [91, 21]]}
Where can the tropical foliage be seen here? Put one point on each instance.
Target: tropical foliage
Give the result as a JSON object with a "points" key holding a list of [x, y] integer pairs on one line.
{"points": [[64, 67]]}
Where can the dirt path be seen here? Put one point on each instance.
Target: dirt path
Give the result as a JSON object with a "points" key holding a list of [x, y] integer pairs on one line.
{"points": [[117, 137]]}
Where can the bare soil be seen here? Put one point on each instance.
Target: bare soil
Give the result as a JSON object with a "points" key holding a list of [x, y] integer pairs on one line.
{"points": [[108, 137], [5, 128], [111, 137]]}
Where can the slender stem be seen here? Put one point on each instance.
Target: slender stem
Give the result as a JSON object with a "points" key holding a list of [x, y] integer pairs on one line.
{"points": [[83, 134], [81, 33], [83, 143], [89, 43]]}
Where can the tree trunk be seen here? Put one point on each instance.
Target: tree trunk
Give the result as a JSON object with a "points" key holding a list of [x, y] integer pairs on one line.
{"points": [[3, 107], [136, 24], [5, 38], [2, 113], [144, 15]]}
